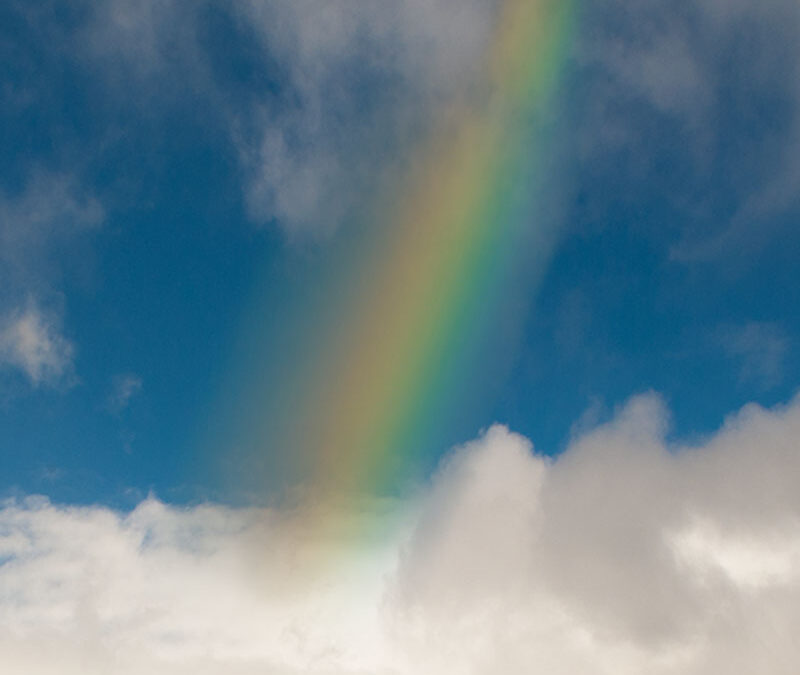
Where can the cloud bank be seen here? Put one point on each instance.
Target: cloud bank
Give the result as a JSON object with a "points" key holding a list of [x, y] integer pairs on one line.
{"points": [[624, 555]]}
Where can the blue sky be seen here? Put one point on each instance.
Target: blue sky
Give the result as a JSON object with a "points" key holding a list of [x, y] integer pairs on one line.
{"points": [[182, 183], [163, 165]]}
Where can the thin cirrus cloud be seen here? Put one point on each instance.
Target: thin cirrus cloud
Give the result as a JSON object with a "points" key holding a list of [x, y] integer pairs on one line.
{"points": [[624, 555]]}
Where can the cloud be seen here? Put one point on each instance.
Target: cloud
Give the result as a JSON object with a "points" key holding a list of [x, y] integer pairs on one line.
{"points": [[760, 349], [658, 63], [50, 209], [36, 222], [365, 84], [124, 388], [717, 79], [138, 35], [31, 341], [341, 94], [623, 555]]}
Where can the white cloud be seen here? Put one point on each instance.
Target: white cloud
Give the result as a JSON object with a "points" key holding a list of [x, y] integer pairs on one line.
{"points": [[624, 555], [31, 341]]}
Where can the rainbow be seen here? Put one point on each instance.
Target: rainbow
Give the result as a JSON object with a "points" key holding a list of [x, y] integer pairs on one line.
{"points": [[392, 357], [439, 265]]}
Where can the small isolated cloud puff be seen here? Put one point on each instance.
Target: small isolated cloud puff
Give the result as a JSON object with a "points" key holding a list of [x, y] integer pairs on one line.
{"points": [[124, 387], [622, 556], [31, 341]]}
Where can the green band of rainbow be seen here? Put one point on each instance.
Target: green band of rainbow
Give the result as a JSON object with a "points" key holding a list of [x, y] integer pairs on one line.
{"points": [[433, 276]]}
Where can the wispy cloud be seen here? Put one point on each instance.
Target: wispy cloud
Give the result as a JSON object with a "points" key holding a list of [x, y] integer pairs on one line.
{"points": [[624, 555], [31, 341], [35, 222], [342, 95], [365, 82], [718, 79], [759, 349], [50, 208], [123, 388]]}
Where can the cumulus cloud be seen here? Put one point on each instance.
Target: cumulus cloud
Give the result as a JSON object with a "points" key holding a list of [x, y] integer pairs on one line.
{"points": [[626, 554]]}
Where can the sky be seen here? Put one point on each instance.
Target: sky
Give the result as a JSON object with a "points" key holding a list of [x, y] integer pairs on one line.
{"points": [[433, 336]]}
